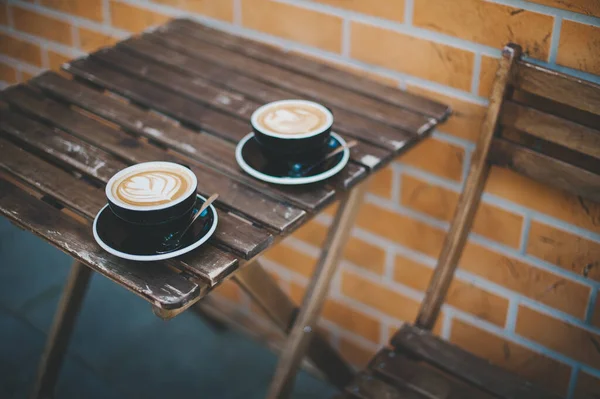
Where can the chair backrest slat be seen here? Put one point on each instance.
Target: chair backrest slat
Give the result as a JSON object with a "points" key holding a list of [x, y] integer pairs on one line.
{"points": [[549, 127], [541, 123], [557, 86], [546, 169]]}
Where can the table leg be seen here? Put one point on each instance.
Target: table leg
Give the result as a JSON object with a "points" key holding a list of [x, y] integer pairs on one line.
{"points": [[302, 331], [265, 292], [60, 332]]}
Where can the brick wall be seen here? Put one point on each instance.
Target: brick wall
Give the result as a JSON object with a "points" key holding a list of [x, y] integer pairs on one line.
{"points": [[525, 295]]}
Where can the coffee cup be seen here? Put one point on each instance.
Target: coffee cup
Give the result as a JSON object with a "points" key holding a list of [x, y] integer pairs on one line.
{"points": [[292, 130], [161, 195]]}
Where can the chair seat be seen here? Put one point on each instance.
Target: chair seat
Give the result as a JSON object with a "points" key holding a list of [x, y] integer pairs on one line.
{"points": [[422, 366]]}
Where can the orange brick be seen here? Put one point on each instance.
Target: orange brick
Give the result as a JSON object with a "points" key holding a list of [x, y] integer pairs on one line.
{"points": [[90, 9], [20, 49], [538, 284], [379, 297], [545, 199], [393, 10], [461, 295], [491, 222], [563, 337], [520, 360], [564, 249], [587, 386], [343, 315], [357, 251], [220, 9], [229, 290], [133, 19], [437, 157], [355, 354], [91, 40], [466, 119], [402, 229], [294, 23], [4, 14], [41, 25], [489, 66], [579, 46], [487, 23], [381, 183], [291, 259], [56, 60], [8, 73], [587, 7], [423, 58]]}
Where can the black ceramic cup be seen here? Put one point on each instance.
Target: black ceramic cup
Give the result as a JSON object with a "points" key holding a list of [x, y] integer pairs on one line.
{"points": [[156, 197], [292, 130]]}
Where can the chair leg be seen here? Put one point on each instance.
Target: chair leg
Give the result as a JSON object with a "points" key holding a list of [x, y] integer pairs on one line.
{"points": [[60, 332], [302, 332]]}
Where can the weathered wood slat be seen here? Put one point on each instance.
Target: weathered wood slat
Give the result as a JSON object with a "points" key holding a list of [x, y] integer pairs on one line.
{"points": [[306, 66], [368, 386], [546, 169], [184, 109], [345, 122], [465, 366], [552, 128], [327, 94], [234, 195], [298, 86], [558, 87], [208, 263], [203, 147], [400, 371], [154, 282], [242, 239], [232, 103]]}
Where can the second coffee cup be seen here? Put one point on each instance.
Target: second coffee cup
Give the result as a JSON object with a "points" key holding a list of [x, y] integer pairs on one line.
{"points": [[292, 130]]}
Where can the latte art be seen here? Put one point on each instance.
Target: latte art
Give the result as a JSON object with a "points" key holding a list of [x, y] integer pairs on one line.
{"points": [[151, 188], [292, 118]]}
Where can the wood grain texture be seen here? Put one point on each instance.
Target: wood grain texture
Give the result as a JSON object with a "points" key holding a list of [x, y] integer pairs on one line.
{"points": [[235, 196], [558, 87], [155, 282], [170, 52], [312, 68], [455, 361], [546, 169], [302, 85], [368, 386], [232, 103], [232, 234], [207, 263], [469, 198], [401, 371], [552, 128], [191, 113]]}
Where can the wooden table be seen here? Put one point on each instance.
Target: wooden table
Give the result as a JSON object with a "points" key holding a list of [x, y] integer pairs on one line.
{"points": [[185, 93]]}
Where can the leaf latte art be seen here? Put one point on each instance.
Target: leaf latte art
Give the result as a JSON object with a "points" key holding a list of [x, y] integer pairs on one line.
{"points": [[151, 187], [292, 119]]}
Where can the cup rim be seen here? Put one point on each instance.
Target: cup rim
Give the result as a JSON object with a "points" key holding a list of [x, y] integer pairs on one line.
{"points": [[312, 133], [192, 189]]}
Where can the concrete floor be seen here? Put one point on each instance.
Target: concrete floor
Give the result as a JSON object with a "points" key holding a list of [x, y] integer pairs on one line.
{"points": [[119, 349]]}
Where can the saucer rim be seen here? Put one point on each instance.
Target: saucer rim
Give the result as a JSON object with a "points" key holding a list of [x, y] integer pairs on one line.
{"points": [[148, 258], [290, 180]]}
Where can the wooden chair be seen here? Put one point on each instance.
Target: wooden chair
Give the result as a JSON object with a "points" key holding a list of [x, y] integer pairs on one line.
{"points": [[542, 124]]}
